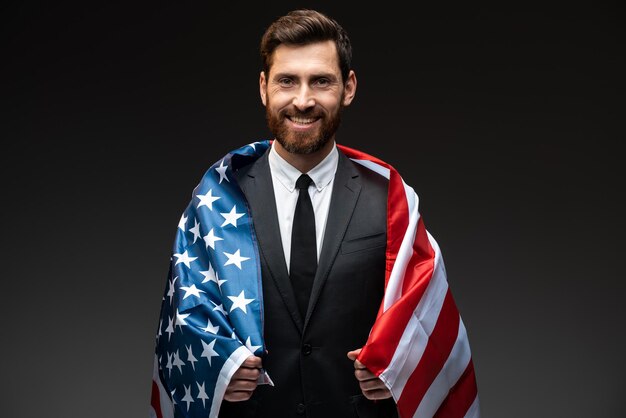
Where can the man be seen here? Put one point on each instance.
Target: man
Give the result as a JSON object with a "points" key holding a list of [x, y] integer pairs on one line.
{"points": [[305, 84], [319, 220]]}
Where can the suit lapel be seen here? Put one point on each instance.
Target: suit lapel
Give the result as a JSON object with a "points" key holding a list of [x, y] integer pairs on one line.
{"points": [[256, 184], [346, 189]]}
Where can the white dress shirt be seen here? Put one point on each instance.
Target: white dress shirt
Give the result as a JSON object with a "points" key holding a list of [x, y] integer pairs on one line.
{"points": [[284, 177]]}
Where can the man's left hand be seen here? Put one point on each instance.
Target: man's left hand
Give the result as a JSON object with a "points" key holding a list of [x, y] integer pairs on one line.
{"points": [[372, 387]]}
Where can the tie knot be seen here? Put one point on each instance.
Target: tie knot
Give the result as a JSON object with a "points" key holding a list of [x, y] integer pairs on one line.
{"points": [[303, 182]]}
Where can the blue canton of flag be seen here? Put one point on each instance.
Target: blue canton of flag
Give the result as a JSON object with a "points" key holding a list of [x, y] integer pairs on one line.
{"points": [[211, 315]]}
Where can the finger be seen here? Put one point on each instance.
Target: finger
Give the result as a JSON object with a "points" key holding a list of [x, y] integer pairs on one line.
{"points": [[237, 396], [252, 362], [245, 385], [352, 355], [246, 374], [364, 374], [358, 365], [378, 394], [372, 384]]}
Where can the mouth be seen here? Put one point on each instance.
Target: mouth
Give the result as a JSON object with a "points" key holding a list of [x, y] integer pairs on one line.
{"points": [[301, 120]]}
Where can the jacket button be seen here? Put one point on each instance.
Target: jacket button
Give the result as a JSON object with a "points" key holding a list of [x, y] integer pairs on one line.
{"points": [[307, 349], [300, 409]]}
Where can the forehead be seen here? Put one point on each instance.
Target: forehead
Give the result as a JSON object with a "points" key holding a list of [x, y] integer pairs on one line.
{"points": [[318, 57]]}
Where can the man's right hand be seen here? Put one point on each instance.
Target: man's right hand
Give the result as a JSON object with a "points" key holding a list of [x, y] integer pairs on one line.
{"points": [[244, 380]]}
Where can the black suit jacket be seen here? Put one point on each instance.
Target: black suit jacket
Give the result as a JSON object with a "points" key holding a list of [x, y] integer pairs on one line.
{"points": [[306, 357]]}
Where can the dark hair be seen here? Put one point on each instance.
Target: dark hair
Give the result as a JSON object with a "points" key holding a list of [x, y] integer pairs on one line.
{"points": [[302, 27]]}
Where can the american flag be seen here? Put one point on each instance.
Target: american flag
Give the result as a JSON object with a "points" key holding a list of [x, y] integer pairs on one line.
{"points": [[418, 345], [211, 315]]}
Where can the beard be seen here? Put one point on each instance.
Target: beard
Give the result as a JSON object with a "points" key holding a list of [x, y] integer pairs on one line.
{"points": [[297, 142]]}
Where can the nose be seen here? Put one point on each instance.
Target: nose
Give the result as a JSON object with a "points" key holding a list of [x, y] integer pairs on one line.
{"points": [[304, 98]]}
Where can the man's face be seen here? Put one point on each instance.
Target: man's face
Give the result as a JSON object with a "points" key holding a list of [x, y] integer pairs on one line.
{"points": [[304, 94]]}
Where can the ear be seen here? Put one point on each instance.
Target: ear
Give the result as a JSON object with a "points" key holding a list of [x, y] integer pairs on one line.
{"points": [[263, 88], [349, 88]]}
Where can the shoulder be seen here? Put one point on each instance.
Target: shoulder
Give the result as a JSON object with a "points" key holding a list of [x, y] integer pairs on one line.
{"points": [[366, 175], [251, 166]]}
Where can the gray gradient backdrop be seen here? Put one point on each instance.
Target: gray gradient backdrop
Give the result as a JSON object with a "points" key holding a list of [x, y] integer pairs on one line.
{"points": [[508, 123]]}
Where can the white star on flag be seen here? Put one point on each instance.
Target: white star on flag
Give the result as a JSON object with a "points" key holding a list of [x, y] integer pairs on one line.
{"points": [[191, 291], [210, 328], [190, 357], [169, 364], [195, 230], [170, 291], [182, 222], [219, 308], [222, 172], [235, 259], [180, 319], [240, 302], [178, 362], [207, 199], [251, 347], [202, 393], [188, 398], [184, 258], [211, 275], [210, 239], [170, 328], [208, 351], [231, 217]]}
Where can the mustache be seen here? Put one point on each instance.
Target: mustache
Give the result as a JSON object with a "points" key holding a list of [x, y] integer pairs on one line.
{"points": [[308, 114]]}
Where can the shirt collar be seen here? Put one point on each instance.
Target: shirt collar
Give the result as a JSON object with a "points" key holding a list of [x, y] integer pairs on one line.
{"points": [[322, 174]]}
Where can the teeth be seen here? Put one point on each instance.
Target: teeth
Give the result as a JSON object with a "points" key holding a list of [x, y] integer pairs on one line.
{"points": [[302, 121]]}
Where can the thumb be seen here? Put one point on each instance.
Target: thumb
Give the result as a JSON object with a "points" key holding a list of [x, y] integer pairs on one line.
{"points": [[352, 355]]}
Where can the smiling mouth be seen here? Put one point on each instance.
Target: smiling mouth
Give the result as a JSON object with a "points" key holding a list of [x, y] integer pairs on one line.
{"points": [[299, 120]]}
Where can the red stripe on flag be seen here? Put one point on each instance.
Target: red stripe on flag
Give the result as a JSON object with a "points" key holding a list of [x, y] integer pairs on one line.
{"points": [[422, 261], [435, 355], [461, 396], [155, 400]]}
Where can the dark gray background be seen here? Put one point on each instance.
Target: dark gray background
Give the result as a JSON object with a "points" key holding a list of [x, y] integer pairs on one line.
{"points": [[508, 123]]}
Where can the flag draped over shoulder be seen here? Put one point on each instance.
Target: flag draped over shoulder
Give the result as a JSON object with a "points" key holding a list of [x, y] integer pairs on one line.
{"points": [[212, 311], [418, 345]]}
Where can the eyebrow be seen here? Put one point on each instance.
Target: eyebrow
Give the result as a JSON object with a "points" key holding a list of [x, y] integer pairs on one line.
{"points": [[330, 76]]}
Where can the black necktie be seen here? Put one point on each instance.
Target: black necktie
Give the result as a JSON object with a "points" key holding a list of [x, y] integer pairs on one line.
{"points": [[303, 259]]}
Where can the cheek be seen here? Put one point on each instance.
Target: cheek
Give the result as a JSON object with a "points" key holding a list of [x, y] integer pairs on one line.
{"points": [[330, 102], [277, 101]]}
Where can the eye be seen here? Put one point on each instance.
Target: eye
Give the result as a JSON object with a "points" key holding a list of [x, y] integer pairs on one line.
{"points": [[285, 82], [322, 82]]}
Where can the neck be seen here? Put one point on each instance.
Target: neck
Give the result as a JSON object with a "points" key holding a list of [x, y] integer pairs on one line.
{"points": [[305, 162]]}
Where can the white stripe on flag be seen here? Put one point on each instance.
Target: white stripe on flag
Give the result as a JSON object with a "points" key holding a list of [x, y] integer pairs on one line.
{"points": [[452, 370]]}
